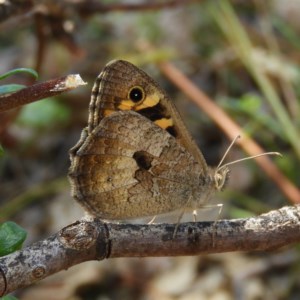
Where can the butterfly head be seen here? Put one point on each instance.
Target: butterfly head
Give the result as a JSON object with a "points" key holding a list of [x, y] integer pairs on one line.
{"points": [[221, 176]]}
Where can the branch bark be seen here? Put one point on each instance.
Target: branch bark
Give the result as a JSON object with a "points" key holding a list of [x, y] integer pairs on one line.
{"points": [[40, 91], [95, 240]]}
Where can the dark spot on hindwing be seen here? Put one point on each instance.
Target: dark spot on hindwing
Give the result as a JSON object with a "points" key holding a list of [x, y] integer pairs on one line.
{"points": [[143, 159]]}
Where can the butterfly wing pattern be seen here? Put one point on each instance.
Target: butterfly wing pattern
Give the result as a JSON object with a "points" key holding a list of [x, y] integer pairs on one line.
{"points": [[135, 158]]}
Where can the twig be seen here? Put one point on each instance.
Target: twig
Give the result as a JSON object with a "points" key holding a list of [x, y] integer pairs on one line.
{"points": [[41, 39], [230, 128], [87, 240], [11, 8], [39, 91], [92, 7]]}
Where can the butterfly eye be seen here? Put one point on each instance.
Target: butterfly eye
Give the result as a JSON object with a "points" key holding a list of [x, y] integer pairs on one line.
{"points": [[136, 94], [221, 178]]}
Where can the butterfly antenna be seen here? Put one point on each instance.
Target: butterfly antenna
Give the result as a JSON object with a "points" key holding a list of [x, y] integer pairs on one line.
{"points": [[242, 159], [228, 149], [251, 157]]}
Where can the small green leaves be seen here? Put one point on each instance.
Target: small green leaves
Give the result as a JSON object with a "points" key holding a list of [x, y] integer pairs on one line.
{"points": [[8, 297], [1, 151], [11, 88], [12, 237], [29, 71], [42, 113]]}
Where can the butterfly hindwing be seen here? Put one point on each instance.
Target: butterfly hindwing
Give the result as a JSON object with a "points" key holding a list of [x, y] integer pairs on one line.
{"points": [[136, 167]]}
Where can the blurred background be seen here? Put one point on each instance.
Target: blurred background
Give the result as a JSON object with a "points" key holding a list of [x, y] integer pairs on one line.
{"points": [[243, 54]]}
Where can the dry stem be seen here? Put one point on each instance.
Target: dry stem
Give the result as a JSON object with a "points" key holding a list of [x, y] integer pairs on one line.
{"points": [[94, 240]]}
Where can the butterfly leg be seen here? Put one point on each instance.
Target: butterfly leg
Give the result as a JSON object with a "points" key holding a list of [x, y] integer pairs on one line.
{"points": [[177, 223], [180, 216], [220, 206], [152, 220], [195, 215]]}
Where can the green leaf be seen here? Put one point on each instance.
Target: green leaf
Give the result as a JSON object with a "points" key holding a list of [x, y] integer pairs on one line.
{"points": [[10, 88], [251, 105], [29, 71], [8, 297], [43, 113], [1, 151], [12, 237]]}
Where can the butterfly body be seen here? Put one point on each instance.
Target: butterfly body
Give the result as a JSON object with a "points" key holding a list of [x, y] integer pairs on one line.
{"points": [[136, 158]]}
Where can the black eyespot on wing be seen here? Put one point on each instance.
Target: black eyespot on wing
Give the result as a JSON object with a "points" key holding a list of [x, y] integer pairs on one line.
{"points": [[136, 94], [143, 159]]}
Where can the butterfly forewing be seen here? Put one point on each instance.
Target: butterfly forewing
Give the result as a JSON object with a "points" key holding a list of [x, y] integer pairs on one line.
{"points": [[111, 92]]}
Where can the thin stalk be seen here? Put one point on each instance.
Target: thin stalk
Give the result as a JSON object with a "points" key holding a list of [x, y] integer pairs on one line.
{"points": [[227, 20]]}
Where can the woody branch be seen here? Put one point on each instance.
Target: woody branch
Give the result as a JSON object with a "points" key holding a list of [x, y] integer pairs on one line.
{"points": [[94, 240], [40, 91]]}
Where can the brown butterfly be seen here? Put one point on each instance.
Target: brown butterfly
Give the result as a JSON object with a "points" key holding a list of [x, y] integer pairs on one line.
{"points": [[136, 157]]}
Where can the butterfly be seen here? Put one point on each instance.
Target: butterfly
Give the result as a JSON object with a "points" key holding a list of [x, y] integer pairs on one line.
{"points": [[136, 157]]}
